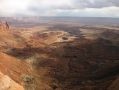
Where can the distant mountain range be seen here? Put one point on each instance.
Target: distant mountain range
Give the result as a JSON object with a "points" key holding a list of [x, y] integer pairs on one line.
{"points": [[35, 21]]}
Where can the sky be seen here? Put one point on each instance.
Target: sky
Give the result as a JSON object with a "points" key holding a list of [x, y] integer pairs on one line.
{"points": [[74, 8]]}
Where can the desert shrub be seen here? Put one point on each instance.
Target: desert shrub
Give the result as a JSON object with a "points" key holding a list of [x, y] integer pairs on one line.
{"points": [[29, 82]]}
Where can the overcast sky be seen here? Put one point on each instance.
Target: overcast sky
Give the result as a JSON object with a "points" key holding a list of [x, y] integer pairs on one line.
{"points": [[82, 8]]}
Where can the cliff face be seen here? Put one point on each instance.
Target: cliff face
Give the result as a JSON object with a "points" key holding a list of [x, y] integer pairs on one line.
{"points": [[6, 69]]}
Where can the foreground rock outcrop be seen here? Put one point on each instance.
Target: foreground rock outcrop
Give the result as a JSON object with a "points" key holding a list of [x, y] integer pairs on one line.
{"points": [[6, 83], [12, 72]]}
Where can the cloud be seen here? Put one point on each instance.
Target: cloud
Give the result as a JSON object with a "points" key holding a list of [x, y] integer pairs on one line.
{"points": [[91, 12], [11, 7], [95, 3], [59, 8]]}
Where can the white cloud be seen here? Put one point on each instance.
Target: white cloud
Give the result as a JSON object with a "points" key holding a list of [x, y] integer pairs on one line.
{"points": [[12, 7], [102, 8], [91, 12]]}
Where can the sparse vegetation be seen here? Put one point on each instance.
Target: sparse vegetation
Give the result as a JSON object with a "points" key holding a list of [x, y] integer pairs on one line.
{"points": [[29, 82]]}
